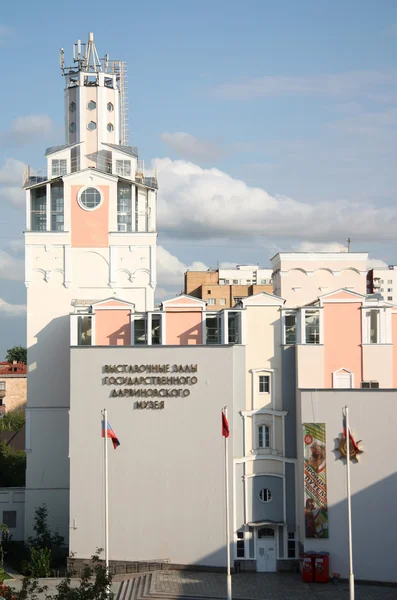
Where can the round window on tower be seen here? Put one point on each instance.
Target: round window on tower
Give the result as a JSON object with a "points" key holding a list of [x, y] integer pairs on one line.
{"points": [[91, 105], [110, 107], [91, 125], [72, 127], [72, 107], [110, 127], [265, 495], [90, 198]]}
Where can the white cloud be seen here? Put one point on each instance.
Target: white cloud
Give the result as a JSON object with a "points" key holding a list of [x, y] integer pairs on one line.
{"points": [[197, 203], [26, 129], [335, 84], [11, 268], [11, 310], [320, 247], [190, 147], [6, 33], [17, 245], [11, 172], [170, 270], [14, 195], [375, 263]]}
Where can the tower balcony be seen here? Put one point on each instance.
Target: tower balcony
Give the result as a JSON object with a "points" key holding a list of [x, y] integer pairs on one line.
{"points": [[99, 162]]}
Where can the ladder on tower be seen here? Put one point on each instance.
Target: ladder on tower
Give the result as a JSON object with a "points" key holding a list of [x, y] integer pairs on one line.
{"points": [[123, 103]]}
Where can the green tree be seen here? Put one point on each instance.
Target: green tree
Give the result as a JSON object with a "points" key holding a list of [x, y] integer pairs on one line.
{"points": [[93, 584], [44, 537], [3, 536], [13, 420], [17, 353], [12, 466]]}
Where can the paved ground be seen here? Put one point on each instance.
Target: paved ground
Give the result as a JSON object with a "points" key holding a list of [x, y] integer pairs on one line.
{"points": [[163, 585]]}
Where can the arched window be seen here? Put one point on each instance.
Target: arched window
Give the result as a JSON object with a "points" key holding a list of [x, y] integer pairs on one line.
{"points": [[265, 532], [263, 436]]}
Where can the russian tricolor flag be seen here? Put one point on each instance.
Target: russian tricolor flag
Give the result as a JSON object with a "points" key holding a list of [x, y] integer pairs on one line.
{"points": [[110, 434]]}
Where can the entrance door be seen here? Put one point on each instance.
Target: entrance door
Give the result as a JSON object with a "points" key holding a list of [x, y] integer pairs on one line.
{"points": [[266, 551]]}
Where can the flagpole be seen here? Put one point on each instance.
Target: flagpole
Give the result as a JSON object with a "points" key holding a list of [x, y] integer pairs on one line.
{"points": [[105, 451], [349, 509], [228, 576]]}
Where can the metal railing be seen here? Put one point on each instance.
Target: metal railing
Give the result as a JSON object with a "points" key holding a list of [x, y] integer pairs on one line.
{"points": [[98, 162]]}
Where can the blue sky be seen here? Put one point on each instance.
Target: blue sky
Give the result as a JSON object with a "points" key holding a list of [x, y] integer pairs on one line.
{"points": [[297, 100]]}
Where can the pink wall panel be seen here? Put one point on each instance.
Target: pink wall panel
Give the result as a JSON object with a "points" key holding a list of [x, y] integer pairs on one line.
{"points": [[184, 328], [342, 340], [112, 328]]}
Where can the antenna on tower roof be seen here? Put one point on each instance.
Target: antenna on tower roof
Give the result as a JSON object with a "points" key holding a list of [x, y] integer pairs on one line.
{"points": [[62, 58]]}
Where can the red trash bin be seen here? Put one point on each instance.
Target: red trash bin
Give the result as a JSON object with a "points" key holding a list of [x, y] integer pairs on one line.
{"points": [[321, 567], [308, 566]]}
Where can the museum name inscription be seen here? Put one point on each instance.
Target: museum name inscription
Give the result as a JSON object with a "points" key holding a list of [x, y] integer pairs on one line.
{"points": [[170, 381]]}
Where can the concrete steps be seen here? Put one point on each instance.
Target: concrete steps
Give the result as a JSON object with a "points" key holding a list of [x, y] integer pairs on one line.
{"points": [[136, 588]]}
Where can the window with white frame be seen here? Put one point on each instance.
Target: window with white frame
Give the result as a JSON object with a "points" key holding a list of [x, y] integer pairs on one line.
{"points": [[58, 167], [140, 338], [240, 544], [389, 281], [290, 321], [211, 301], [234, 327], [222, 301], [263, 432], [312, 326], [212, 329], [38, 209], [57, 207], [264, 384], [124, 207], [123, 168], [374, 326]]}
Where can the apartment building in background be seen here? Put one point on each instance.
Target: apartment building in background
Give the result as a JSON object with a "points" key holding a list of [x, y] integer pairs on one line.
{"points": [[224, 288], [12, 386], [383, 280]]}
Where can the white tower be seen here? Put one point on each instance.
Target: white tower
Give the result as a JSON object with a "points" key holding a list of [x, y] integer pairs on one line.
{"points": [[90, 234]]}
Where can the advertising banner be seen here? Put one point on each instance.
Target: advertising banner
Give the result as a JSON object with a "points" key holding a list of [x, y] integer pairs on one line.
{"points": [[315, 484]]}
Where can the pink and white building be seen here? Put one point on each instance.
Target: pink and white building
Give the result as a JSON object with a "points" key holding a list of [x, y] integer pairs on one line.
{"points": [[276, 361]]}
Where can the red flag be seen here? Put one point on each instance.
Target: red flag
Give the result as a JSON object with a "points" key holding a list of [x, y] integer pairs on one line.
{"points": [[225, 425], [353, 441]]}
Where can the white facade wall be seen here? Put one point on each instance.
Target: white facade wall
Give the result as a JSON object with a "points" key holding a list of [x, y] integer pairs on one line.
{"points": [[166, 479], [65, 267], [301, 277], [373, 480], [12, 500]]}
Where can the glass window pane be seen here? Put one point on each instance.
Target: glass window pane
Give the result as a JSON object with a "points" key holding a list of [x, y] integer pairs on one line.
{"points": [[234, 328], [140, 331], [156, 329], [312, 326], [212, 329], [38, 209], [290, 329], [85, 331], [124, 207], [374, 319]]}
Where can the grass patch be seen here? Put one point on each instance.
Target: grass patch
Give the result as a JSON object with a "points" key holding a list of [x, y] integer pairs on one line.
{"points": [[4, 576]]}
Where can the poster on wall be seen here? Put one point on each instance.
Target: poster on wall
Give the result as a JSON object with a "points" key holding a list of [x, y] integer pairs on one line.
{"points": [[315, 483]]}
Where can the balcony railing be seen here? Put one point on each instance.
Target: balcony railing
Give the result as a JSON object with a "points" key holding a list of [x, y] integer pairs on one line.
{"points": [[100, 163]]}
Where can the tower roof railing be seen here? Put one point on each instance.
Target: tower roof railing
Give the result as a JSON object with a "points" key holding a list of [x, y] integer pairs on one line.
{"points": [[99, 162]]}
